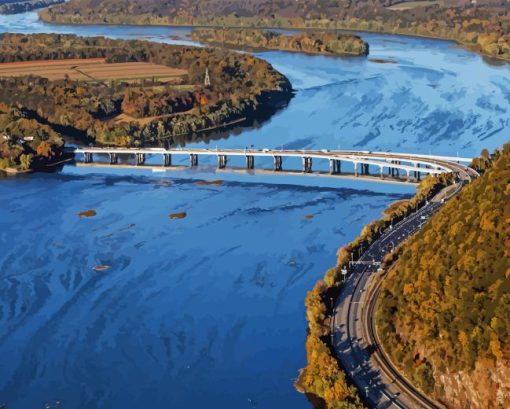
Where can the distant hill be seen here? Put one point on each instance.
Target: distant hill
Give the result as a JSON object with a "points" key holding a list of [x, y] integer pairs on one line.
{"points": [[16, 6], [444, 310], [481, 24]]}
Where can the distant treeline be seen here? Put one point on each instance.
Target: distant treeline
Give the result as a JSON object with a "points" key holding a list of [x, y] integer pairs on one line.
{"points": [[310, 42], [14, 7], [484, 25], [241, 86], [444, 310]]}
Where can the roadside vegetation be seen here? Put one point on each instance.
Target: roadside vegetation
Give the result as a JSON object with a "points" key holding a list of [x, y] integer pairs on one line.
{"points": [[483, 25], [242, 87], [444, 309], [328, 43], [323, 380]]}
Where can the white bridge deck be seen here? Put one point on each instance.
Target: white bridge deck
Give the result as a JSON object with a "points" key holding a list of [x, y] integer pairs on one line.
{"points": [[361, 161]]}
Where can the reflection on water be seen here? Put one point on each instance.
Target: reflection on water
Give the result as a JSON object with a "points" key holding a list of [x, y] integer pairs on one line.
{"points": [[208, 310]]}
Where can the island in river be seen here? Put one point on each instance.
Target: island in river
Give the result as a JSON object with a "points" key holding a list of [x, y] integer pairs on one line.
{"points": [[482, 25], [328, 43], [127, 93]]}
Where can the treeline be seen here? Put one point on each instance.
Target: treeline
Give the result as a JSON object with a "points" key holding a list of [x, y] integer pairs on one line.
{"points": [[14, 7], [310, 42], [242, 86], [483, 25], [322, 379], [26, 144], [444, 310]]}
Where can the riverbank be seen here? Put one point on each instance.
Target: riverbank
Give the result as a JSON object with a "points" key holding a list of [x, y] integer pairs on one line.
{"points": [[328, 384], [477, 34], [186, 93]]}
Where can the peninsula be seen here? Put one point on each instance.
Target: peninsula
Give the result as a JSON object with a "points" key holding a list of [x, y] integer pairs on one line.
{"points": [[134, 93]]}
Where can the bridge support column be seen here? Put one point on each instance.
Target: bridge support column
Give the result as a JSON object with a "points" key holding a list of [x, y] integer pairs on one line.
{"points": [[88, 157], [250, 162], [408, 175], [335, 166], [307, 164], [277, 163], [167, 159], [193, 160], [366, 169], [418, 173], [222, 161], [140, 159], [381, 172], [356, 169], [113, 158]]}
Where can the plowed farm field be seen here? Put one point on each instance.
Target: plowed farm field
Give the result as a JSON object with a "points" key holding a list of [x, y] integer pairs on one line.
{"points": [[93, 69]]}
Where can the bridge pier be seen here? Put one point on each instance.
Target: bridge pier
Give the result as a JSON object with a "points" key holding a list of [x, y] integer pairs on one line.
{"points": [[193, 160], [307, 164], [113, 158], [88, 157], [365, 169], [250, 162], [277, 163], [381, 171], [335, 166], [222, 161], [140, 159], [355, 169], [167, 159]]}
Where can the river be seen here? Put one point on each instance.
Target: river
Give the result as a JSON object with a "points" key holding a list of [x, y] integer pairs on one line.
{"points": [[207, 311]]}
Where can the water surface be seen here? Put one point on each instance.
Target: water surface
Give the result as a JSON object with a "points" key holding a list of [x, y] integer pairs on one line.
{"points": [[208, 311]]}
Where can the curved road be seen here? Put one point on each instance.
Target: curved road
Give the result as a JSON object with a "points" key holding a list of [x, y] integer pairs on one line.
{"points": [[354, 336]]}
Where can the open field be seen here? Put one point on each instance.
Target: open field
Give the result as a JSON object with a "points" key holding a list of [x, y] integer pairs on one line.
{"points": [[93, 69], [414, 4]]}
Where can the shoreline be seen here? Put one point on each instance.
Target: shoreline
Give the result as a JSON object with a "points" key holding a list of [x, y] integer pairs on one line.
{"points": [[468, 47]]}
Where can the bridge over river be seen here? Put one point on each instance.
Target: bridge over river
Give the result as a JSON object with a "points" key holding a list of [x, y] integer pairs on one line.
{"points": [[385, 166]]}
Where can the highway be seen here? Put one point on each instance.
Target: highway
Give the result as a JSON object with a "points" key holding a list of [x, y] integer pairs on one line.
{"points": [[353, 330]]}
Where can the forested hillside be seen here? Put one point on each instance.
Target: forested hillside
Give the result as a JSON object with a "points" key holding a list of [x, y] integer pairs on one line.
{"points": [[484, 25], [26, 144], [444, 310]]}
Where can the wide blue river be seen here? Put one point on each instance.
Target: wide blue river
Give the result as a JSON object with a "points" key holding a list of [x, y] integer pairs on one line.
{"points": [[208, 311]]}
